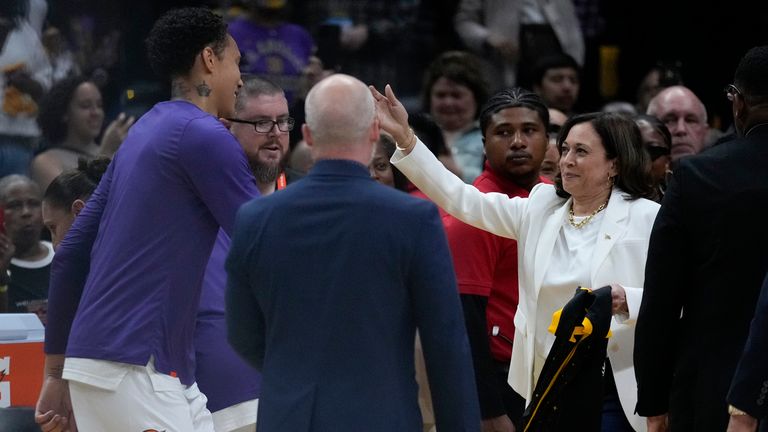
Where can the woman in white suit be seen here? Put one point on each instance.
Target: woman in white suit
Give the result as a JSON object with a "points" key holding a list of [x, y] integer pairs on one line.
{"points": [[589, 229]]}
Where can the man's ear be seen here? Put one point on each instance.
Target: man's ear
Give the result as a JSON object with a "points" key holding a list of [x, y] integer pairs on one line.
{"points": [[740, 108], [77, 206], [307, 135], [375, 130]]}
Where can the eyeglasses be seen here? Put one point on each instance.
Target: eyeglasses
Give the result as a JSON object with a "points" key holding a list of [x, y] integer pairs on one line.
{"points": [[657, 151], [731, 91], [265, 125]]}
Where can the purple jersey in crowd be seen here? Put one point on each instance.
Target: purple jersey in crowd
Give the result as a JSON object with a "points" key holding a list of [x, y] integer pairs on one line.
{"points": [[222, 375], [132, 264], [277, 53]]}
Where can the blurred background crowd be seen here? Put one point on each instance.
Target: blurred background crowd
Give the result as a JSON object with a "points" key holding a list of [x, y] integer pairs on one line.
{"points": [[395, 41]]}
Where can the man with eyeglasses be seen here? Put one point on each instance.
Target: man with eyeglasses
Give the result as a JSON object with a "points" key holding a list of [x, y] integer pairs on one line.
{"points": [[262, 125], [703, 279]]}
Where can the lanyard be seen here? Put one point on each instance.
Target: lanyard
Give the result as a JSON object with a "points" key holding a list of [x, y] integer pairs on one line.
{"points": [[281, 181]]}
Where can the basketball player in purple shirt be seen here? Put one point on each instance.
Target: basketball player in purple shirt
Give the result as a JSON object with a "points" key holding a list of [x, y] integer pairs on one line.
{"points": [[125, 283]]}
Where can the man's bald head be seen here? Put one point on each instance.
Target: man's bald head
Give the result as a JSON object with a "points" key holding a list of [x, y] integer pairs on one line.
{"points": [[684, 115], [340, 112], [673, 94]]}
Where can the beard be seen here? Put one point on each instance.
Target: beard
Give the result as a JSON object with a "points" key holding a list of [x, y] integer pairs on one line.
{"points": [[265, 172]]}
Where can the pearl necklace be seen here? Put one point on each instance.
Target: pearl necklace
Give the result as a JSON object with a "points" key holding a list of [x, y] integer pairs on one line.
{"points": [[586, 220]]}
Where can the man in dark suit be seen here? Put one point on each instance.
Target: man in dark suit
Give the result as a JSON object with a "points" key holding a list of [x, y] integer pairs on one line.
{"points": [[329, 280], [749, 388], [702, 278]]}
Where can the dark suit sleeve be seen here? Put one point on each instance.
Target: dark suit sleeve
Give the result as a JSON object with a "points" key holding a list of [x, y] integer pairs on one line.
{"points": [[491, 402], [749, 388], [245, 319], [656, 331], [438, 315]]}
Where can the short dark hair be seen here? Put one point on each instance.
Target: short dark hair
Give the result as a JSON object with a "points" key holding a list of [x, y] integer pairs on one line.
{"points": [[552, 61], [78, 183], [425, 127], [54, 107], [622, 141], [400, 180], [513, 98], [179, 36], [460, 67], [10, 180], [254, 86], [750, 76]]}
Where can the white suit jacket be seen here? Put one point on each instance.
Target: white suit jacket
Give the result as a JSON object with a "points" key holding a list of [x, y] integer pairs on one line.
{"points": [[535, 222]]}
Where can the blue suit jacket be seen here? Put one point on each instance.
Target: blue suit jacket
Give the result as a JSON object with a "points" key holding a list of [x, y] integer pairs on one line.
{"points": [[749, 388], [328, 282]]}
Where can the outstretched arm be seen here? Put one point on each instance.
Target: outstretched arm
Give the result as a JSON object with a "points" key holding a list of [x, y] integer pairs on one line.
{"points": [[493, 212]]}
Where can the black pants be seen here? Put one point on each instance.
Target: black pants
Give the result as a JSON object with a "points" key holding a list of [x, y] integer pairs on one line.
{"points": [[513, 402], [614, 419]]}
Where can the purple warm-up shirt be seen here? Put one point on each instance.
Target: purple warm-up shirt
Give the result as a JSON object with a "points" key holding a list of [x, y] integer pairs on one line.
{"points": [[126, 279], [223, 376]]}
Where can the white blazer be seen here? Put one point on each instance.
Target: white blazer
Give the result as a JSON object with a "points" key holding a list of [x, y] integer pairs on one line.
{"points": [[535, 222]]}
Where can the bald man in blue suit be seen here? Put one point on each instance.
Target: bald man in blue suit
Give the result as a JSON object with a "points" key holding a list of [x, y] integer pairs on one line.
{"points": [[329, 281]]}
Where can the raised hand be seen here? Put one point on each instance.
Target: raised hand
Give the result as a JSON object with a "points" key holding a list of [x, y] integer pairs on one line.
{"points": [[115, 134], [393, 118]]}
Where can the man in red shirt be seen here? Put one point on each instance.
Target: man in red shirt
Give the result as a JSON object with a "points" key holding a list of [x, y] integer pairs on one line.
{"points": [[514, 124]]}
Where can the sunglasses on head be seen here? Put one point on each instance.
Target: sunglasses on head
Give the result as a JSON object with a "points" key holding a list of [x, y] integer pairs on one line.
{"points": [[657, 151]]}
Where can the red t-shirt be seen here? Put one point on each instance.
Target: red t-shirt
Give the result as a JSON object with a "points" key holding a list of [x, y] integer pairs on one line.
{"points": [[486, 264], [415, 192]]}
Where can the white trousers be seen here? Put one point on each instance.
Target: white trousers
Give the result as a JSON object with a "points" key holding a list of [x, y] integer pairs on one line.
{"points": [[145, 400]]}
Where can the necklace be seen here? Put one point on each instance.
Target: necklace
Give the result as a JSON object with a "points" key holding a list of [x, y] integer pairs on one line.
{"points": [[587, 219]]}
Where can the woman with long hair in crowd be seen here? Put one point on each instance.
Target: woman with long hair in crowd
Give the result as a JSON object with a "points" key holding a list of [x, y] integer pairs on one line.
{"points": [[71, 119]]}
